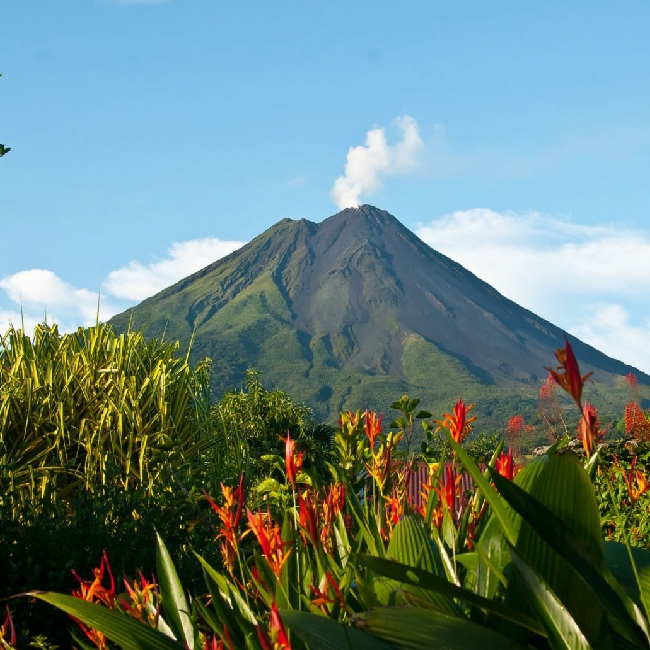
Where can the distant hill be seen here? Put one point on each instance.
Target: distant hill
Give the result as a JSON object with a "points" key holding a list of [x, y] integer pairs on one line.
{"points": [[356, 311]]}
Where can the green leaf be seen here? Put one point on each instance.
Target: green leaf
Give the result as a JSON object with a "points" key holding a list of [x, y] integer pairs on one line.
{"points": [[564, 541], [411, 546], [177, 611], [120, 628], [322, 633], [563, 632], [618, 562], [414, 628], [431, 582]]}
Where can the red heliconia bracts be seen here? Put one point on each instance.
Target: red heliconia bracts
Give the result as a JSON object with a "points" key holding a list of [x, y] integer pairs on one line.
{"points": [[567, 374], [637, 483], [293, 461], [589, 429], [457, 422], [7, 631], [230, 514], [277, 638], [505, 465], [96, 592], [270, 539]]}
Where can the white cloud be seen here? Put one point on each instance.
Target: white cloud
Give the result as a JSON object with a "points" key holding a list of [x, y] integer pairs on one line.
{"points": [[608, 328], [367, 166], [558, 270], [136, 282], [40, 293]]}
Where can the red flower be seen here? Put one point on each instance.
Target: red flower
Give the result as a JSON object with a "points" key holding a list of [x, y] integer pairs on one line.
{"points": [[637, 483], [293, 461], [230, 515], [589, 429], [270, 539], [570, 378], [7, 628], [505, 465], [373, 427], [308, 518], [96, 592], [457, 423], [277, 638]]}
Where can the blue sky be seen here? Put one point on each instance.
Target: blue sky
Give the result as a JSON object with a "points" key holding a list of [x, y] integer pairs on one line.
{"points": [[149, 138]]}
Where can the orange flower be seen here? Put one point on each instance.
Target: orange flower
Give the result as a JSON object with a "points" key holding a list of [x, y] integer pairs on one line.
{"points": [[269, 537], [449, 490], [570, 378], [373, 427], [505, 465], [637, 483], [589, 429], [142, 605], [230, 518], [293, 461], [95, 592], [457, 423]]}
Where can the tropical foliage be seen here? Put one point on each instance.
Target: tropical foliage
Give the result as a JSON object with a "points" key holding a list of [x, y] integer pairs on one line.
{"points": [[388, 546]]}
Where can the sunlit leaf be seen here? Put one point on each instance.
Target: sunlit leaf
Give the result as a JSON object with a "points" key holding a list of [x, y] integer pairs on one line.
{"points": [[123, 630]]}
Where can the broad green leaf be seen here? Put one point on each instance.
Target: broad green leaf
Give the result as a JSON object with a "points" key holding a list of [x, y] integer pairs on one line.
{"points": [[177, 611], [562, 631], [618, 562], [411, 546], [431, 582], [414, 628], [120, 628], [229, 590], [558, 536], [322, 633]]}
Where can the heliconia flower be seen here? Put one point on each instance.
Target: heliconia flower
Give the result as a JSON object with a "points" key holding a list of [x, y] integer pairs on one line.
{"points": [[395, 509], [505, 465], [95, 592], [631, 379], [230, 515], [373, 427], [7, 628], [270, 540], [589, 429], [308, 518], [569, 378], [142, 606], [277, 638], [448, 489], [293, 461], [457, 423], [637, 483], [322, 593]]}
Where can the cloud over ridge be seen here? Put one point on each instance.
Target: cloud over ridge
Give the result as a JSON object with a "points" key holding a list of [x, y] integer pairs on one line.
{"points": [[368, 165]]}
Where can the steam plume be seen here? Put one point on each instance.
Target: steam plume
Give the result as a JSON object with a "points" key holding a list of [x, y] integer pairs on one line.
{"points": [[367, 165]]}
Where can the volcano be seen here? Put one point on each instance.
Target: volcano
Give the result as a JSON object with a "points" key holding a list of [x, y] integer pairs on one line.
{"points": [[355, 311]]}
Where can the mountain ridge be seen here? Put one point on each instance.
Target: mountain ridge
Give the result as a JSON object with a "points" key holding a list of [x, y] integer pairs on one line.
{"points": [[354, 307]]}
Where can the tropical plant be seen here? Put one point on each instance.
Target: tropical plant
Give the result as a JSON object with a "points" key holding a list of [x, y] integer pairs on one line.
{"points": [[515, 560]]}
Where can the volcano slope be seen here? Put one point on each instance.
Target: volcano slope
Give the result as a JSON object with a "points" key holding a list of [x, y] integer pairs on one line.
{"points": [[355, 311]]}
